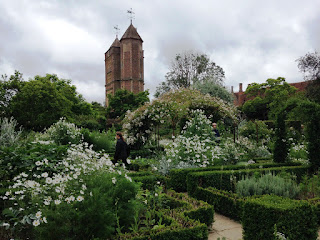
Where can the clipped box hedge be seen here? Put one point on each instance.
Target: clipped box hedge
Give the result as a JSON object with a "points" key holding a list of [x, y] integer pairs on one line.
{"points": [[192, 208], [186, 218], [225, 180], [181, 229], [315, 203], [295, 219], [148, 180], [225, 203], [178, 177]]}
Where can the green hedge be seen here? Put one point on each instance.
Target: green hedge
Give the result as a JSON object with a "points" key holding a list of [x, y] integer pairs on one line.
{"points": [[192, 208], [188, 220], [225, 203], [315, 203], [149, 181], [178, 177], [194, 231], [225, 180], [134, 166], [295, 219]]}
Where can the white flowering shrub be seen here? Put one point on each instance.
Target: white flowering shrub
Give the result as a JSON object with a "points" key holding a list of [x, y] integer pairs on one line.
{"points": [[50, 183], [63, 132], [194, 147], [8, 134], [169, 110], [249, 148], [298, 152]]}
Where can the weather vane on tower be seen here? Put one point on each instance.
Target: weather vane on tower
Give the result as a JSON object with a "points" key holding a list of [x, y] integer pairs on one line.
{"points": [[117, 30], [131, 14]]}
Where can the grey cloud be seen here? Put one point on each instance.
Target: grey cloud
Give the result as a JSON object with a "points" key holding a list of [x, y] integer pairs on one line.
{"points": [[250, 40]]}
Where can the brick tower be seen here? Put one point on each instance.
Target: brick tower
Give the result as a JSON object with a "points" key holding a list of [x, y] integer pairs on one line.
{"points": [[124, 64]]}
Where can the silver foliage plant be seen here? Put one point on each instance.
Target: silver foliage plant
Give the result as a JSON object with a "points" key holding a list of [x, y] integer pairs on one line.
{"points": [[9, 136]]}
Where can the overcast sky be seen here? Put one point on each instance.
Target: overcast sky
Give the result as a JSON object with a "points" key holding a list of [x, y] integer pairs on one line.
{"points": [[251, 40]]}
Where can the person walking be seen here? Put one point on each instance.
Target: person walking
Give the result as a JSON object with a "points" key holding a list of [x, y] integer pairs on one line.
{"points": [[216, 132], [121, 149]]}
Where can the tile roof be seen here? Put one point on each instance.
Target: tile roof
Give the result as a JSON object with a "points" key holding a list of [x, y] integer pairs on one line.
{"points": [[132, 33]]}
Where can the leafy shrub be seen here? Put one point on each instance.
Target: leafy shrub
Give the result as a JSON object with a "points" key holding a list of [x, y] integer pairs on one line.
{"points": [[23, 158], [255, 130], [8, 134], [178, 177], [281, 147], [298, 152], [267, 184], [100, 140], [226, 180], [310, 187], [64, 133], [94, 214], [47, 178]]}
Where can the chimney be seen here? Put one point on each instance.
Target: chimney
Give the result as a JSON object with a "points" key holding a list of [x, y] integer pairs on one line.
{"points": [[231, 89], [240, 87]]}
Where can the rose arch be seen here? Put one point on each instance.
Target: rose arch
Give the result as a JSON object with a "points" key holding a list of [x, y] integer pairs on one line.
{"points": [[172, 110]]}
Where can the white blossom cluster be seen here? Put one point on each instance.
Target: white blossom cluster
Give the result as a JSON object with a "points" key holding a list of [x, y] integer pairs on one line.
{"points": [[62, 183], [194, 147], [63, 131]]}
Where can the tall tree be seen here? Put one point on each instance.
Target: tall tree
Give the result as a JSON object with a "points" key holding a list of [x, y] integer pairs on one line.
{"points": [[272, 94], [188, 69], [43, 100], [214, 90], [310, 66], [9, 87], [123, 100]]}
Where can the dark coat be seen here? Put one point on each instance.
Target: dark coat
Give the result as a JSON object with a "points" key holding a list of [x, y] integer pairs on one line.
{"points": [[121, 151], [216, 133]]}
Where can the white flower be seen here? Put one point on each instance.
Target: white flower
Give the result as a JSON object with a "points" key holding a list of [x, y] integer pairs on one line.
{"points": [[114, 180], [57, 201], [44, 219], [48, 180], [36, 222], [38, 163], [44, 175], [80, 198], [38, 214]]}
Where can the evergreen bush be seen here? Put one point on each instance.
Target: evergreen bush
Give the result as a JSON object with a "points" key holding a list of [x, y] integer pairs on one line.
{"points": [[295, 219], [100, 140], [281, 147]]}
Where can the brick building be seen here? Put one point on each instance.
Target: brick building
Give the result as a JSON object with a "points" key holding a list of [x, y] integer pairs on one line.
{"points": [[240, 97], [124, 64]]}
